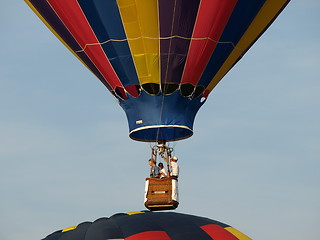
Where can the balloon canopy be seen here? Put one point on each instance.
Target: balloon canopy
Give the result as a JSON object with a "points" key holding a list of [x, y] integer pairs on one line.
{"points": [[159, 58], [150, 226]]}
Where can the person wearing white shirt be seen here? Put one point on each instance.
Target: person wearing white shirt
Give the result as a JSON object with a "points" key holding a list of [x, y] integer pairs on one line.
{"points": [[163, 173], [174, 167]]}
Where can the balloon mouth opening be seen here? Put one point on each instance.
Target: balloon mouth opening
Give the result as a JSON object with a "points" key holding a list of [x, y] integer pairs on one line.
{"points": [[157, 133]]}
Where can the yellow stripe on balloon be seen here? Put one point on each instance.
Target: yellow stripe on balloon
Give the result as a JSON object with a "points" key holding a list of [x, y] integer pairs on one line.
{"points": [[237, 233], [140, 21], [266, 14], [134, 213], [69, 229]]}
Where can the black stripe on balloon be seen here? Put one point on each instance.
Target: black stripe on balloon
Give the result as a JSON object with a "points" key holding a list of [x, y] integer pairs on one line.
{"points": [[176, 18]]}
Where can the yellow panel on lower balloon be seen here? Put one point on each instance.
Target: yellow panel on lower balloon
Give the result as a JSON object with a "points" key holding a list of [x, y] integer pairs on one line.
{"points": [[237, 233], [69, 229], [135, 212]]}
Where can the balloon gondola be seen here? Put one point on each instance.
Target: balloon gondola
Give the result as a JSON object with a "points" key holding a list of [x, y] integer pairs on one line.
{"points": [[161, 193], [160, 59]]}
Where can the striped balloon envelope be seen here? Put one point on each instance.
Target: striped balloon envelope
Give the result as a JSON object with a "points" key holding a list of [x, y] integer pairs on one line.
{"points": [[159, 58], [150, 226]]}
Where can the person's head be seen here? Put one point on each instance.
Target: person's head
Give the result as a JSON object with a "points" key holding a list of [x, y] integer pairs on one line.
{"points": [[160, 165], [152, 162], [174, 159]]}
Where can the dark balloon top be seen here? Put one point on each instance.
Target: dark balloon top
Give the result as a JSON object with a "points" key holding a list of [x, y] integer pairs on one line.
{"points": [[150, 226]]}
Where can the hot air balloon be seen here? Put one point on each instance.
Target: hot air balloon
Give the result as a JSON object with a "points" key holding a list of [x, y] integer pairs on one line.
{"points": [[159, 58], [150, 226]]}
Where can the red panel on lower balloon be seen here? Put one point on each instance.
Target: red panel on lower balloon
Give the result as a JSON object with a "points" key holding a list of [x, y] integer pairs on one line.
{"points": [[151, 235], [217, 232]]}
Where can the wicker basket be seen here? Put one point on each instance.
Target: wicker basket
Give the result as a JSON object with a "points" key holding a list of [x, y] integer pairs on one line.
{"points": [[159, 194]]}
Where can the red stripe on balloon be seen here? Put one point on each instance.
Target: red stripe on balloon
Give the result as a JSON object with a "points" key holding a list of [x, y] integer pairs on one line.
{"points": [[75, 21], [150, 235], [212, 18], [217, 232]]}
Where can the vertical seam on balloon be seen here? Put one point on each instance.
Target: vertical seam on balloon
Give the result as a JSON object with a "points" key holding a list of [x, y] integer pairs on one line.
{"points": [[215, 41], [85, 17], [86, 231], [143, 43], [195, 23], [159, 44], [127, 39], [149, 71], [202, 50], [160, 116], [118, 226], [159, 54], [162, 102], [129, 45], [158, 35], [170, 41], [78, 43]]}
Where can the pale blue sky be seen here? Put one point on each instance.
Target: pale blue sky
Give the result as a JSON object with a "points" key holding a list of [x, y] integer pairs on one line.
{"points": [[253, 162]]}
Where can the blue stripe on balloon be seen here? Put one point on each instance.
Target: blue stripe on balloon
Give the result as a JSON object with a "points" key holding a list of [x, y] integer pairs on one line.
{"points": [[241, 18], [105, 20]]}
